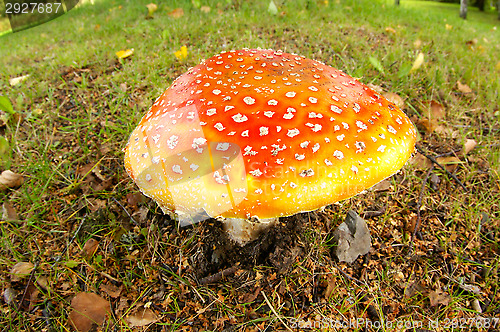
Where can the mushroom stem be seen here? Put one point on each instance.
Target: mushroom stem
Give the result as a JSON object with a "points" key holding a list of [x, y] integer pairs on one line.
{"points": [[243, 231]]}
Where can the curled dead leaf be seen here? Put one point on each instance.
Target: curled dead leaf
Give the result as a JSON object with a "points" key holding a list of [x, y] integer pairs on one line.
{"points": [[89, 248], [9, 179], [142, 317], [151, 8], [176, 13], [205, 9], [421, 162], [450, 163], [469, 145], [463, 88], [427, 125], [18, 80], [87, 309], [21, 270], [390, 30], [434, 109], [9, 213], [395, 99], [439, 297]]}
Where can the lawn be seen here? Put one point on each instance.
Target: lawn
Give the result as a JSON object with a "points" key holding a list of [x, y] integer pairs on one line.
{"points": [[79, 224]]}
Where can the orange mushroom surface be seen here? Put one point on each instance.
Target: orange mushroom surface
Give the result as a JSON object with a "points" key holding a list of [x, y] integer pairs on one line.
{"points": [[263, 133]]}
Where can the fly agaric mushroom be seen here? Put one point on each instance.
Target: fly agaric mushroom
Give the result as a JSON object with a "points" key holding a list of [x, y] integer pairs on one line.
{"points": [[259, 134]]}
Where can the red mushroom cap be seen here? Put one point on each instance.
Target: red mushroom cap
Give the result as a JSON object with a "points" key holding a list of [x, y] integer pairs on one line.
{"points": [[265, 133]]}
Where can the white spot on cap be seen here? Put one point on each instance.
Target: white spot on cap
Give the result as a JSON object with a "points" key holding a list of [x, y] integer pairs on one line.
{"points": [[354, 169], [249, 100], [299, 156], [335, 109], [290, 94], [172, 141], [177, 169], [194, 167], [338, 154], [307, 172], [219, 126], [278, 129], [304, 144], [269, 114], [239, 118], [148, 177], [222, 146], [211, 111], [292, 132], [256, 172], [314, 127], [228, 108], [381, 148], [293, 185], [361, 125], [313, 115], [345, 125], [272, 102], [264, 131], [288, 116], [198, 141], [313, 88], [244, 133], [313, 100], [340, 138], [391, 130], [216, 92], [328, 162], [315, 147]]}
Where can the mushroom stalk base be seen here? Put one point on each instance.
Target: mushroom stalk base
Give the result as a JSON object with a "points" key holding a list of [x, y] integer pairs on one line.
{"points": [[243, 231]]}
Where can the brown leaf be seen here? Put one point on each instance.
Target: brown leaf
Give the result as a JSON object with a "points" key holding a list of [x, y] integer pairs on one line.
{"points": [[450, 163], [376, 88], [111, 290], [89, 248], [134, 199], [205, 9], [142, 318], [427, 125], [9, 213], [87, 309], [390, 30], [394, 98], [435, 109], [413, 289], [383, 185], [176, 13], [439, 297], [9, 179], [421, 162], [21, 270], [469, 145], [330, 287], [464, 88], [9, 296]]}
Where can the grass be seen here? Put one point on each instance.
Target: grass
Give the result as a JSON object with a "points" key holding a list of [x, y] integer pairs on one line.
{"points": [[76, 109]]}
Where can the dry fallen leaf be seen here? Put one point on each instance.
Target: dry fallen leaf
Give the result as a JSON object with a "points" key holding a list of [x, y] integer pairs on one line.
{"points": [[124, 53], [439, 297], [417, 43], [450, 163], [89, 248], [390, 30], [205, 9], [111, 290], [394, 98], [21, 270], [87, 309], [421, 162], [352, 238], [469, 145], [9, 213], [142, 317], [18, 80], [376, 88], [176, 13], [448, 27], [9, 179], [464, 88], [427, 125], [418, 62], [436, 110]]}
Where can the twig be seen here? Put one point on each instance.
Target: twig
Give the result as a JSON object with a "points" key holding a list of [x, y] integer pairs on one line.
{"points": [[219, 275], [419, 205], [274, 311], [348, 276], [71, 240], [128, 214], [434, 161]]}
